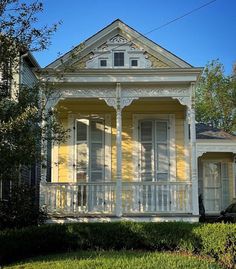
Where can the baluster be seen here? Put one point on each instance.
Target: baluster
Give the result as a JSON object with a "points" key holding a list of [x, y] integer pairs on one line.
{"points": [[173, 197], [162, 198], [168, 200], [152, 198], [53, 196]]}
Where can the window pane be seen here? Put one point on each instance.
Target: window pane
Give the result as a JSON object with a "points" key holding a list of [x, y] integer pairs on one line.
{"points": [[97, 128], [146, 157], [81, 131], [96, 176], [162, 176], [162, 157], [146, 130], [119, 59], [161, 131], [134, 62], [103, 62], [81, 176], [146, 176], [81, 156], [97, 156]]}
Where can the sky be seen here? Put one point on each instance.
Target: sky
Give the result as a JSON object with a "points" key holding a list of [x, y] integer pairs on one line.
{"points": [[205, 35]]}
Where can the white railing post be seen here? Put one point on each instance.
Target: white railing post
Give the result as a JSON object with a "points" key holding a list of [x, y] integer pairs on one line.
{"points": [[118, 152], [195, 207]]}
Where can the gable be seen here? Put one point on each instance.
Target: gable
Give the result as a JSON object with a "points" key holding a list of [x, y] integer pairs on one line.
{"points": [[119, 46]]}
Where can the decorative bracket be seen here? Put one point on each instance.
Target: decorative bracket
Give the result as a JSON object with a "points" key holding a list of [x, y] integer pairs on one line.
{"points": [[118, 102], [185, 101]]}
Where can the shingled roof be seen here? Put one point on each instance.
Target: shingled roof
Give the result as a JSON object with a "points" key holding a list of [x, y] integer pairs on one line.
{"points": [[204, 131]]}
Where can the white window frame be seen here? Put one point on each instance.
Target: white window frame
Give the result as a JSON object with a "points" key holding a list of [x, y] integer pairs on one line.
{"points": [[72, 145], [172, 151]]}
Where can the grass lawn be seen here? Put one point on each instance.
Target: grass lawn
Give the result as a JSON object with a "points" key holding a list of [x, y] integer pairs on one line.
{"points": [[117, 260]]}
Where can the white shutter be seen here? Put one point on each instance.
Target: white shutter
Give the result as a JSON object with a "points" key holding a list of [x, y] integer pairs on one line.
{"points": [[96, 150], [82, 149], [146, 150], [162, 151], [225, 185]]}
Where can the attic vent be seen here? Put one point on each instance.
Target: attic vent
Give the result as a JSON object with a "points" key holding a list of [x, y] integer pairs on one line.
{"points": [[118, 39]]}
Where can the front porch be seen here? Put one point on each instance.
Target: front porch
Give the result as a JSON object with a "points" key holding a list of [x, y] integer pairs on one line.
{"points": [[131, 152]]}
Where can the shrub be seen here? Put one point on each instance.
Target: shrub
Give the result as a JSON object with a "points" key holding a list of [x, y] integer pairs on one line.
{"points": [[215, 240], [20, 209]]}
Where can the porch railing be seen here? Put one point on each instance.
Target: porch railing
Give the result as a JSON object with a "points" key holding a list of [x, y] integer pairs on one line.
{"points": [[100, 198]]}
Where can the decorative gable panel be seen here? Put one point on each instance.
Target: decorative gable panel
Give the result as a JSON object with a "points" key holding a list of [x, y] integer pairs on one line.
{"points": [[119, 52]]}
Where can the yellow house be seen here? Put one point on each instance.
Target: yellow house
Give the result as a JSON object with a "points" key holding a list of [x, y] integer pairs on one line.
{"points": [[132, 151]]}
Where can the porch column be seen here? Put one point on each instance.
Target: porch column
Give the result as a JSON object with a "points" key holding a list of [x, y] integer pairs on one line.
{"points": [[194, 177], [118, 152]]}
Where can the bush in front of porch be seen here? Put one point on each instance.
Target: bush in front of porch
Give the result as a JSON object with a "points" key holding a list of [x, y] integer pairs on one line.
{"points": [[215, 240]]}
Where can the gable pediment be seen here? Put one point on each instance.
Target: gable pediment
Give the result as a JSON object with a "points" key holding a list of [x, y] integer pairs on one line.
{"points": [[119, 46]]}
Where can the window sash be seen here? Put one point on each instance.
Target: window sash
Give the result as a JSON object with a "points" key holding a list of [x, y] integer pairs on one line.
{"points": [[154, 153]]}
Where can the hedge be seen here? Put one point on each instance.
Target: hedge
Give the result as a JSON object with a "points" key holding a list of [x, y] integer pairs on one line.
{"points": [[215, 240]]}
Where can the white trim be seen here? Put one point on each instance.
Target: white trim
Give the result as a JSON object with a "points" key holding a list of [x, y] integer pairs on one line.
{"points": [[186, 145], [204, 146], [171, 119]]}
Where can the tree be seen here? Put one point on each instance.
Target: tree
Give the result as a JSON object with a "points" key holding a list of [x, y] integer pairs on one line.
{"points": [[25, 120], [216, 98]]}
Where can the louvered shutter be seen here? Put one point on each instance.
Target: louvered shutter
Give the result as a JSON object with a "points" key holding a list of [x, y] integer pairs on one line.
{"points": [[161, 150], [97, 150], [82, 153], [146, 150], [225, 185]]}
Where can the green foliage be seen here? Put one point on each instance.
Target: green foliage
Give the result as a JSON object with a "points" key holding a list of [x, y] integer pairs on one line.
{"points": [[216, 98], [119, 260], [19, 29], [215, 240], [21, 129], [21, 209]]}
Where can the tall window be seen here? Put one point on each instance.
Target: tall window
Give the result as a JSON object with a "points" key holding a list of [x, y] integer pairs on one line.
{"points": [[215, 186], [154, 157], [119, 59], [90, 157]]}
